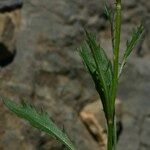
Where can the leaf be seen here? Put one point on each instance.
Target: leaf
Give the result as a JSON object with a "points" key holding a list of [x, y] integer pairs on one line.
{"points": [[130, 44], [134, 39], [40, 120], [108, 12], [99, 67], [87, 59], [91, 66], [110, 15], [102, 63]]}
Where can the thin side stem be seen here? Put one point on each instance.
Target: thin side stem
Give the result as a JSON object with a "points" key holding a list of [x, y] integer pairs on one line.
{"points": [[121, 67]]}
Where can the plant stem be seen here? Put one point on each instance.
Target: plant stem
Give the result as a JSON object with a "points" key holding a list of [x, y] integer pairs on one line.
{"points": [[111, 144], [117, 31]]}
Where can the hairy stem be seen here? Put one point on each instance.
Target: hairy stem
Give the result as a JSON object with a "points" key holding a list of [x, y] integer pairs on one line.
{"points": [[116, 32]]}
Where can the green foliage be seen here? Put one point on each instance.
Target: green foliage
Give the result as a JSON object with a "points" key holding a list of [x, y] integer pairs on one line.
{"points": [[134, 39], [100, 68], [104, 73], [39, 120], [130, 44]]}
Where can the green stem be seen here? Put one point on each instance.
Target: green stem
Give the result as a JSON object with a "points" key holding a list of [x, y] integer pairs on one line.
{"points": [[111, 144], [111, 135], [117, 32]]}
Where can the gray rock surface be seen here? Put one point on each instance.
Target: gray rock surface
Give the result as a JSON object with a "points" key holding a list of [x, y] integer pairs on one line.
{"points": [[48, 72]]}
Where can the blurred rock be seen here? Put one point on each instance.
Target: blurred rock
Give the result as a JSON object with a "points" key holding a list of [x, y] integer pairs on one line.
{"points": [[136, 105], [145, 134], [129, 4], [48, 72]]}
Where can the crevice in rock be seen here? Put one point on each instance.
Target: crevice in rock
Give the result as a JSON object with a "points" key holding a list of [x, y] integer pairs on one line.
{"points": [[6, 57], [119, 129], [11, 8], [96, 137]]}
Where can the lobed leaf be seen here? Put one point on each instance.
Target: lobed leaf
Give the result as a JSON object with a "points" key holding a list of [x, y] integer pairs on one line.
{"points": [[102, 63], [40, 120], [100, 68], [91, 67], [130, 45], [134, 39]]}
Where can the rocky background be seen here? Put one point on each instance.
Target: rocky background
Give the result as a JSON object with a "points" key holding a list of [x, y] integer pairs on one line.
{"points": [[39, 63]]}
